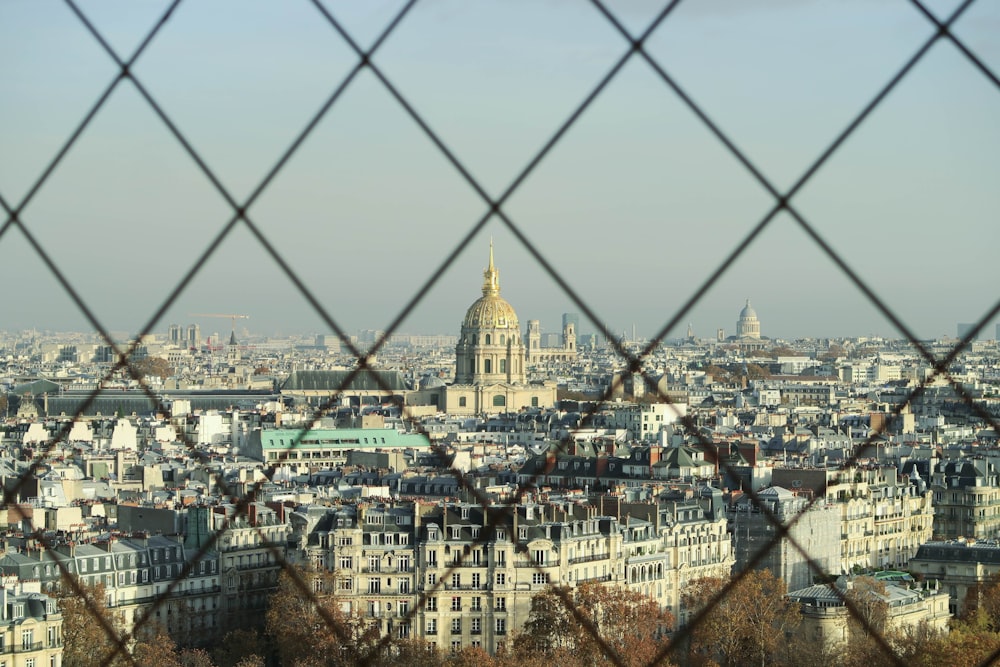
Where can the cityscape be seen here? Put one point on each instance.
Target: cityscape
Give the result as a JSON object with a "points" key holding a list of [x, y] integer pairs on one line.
{"points": [[499, 334], [438, 490]]}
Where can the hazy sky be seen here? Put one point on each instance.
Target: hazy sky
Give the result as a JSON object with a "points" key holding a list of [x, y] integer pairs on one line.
{"points": [[635, 206]]}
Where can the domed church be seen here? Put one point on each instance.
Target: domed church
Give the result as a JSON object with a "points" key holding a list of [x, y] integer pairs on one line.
{"points": [[748, 330], [490, 359], [490, 348]]}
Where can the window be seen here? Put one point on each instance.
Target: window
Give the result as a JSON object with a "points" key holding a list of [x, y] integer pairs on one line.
{"points": [[503, 365], [501, 579], [501, 556], [456, 604], [432, 556], [346, 562], [431, 579], [501, 626], [403, 564], [373, 563], [374, 585], [432, 626], [475, 580], [404, 586], [456, 647], [456, 580], [488, 368], [539, 556], [539, 578], [476, 604], [461, 401], [431, 604], [27, 638], [475, 626], [456, 626], [499, 400]]}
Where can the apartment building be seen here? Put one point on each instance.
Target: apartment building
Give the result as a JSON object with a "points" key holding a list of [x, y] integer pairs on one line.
{"points": [[884, 517], [810, 548], [958, 566], [30, 625], [967, 498], [141, 578], [459, 576]]}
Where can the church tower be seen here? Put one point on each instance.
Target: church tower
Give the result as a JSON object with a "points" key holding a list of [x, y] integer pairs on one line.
{"points": [[490, 349]]}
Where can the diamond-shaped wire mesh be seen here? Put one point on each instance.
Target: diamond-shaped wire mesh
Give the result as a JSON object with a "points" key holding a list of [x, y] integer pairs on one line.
{"points": [[633, 49]]}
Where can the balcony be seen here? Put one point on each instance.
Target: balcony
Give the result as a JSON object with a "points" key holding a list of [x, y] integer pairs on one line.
{"points": [[588, 559], [548, 563], [600, 579]]}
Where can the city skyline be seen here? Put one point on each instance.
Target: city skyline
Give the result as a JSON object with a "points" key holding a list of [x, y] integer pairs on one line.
{"points": [[634, 207]]}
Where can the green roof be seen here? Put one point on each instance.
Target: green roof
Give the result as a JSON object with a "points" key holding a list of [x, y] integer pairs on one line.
{"points": [[345, 438]]}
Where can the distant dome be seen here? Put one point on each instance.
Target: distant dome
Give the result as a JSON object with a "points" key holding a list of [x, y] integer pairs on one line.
{"points": [[748, 326]]}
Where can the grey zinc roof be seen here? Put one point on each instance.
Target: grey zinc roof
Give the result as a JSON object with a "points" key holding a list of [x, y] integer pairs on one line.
{"points": [[338, 381]]}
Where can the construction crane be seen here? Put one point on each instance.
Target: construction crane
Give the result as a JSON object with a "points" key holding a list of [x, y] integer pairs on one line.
{"points": [[230, 316]]}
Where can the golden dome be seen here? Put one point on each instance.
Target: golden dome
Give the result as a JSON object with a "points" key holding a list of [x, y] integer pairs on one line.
{"points": [[491, 311]]}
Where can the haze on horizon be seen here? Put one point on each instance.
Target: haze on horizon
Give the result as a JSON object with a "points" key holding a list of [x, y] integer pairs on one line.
{"points": [[635, 206]]}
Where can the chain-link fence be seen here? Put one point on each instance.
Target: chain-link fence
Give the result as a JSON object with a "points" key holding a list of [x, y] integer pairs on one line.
{"points": [[632, 51]]}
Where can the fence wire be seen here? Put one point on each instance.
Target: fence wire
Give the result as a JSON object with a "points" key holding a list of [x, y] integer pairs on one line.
{"points": [[633, 47]]}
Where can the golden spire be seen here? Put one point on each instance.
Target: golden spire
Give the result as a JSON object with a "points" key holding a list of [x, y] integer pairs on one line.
{"points": [[491, 277]]}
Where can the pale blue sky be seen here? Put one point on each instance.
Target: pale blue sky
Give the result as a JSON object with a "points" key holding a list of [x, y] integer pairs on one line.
{"points": [[635, 206]]}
